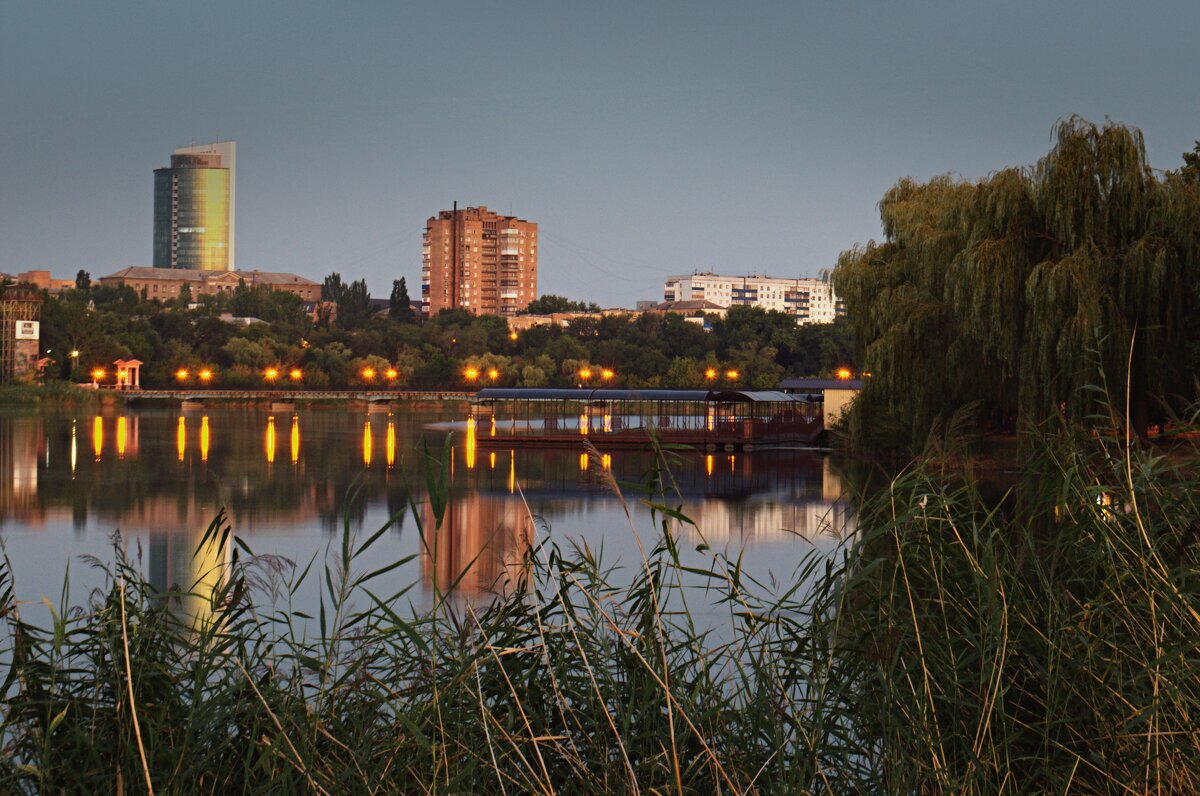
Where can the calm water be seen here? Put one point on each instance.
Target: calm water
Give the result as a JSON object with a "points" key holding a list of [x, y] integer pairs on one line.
{"points": [[69, 480]]}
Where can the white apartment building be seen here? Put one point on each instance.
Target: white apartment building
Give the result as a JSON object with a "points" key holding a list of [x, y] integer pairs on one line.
{"points": [[808, 300]]}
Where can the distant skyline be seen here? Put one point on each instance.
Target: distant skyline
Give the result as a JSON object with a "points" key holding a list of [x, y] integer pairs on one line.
{"points": [[644, 139]]}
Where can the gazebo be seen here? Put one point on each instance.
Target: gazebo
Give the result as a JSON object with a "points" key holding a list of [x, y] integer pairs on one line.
{"points": [[128, 372]]}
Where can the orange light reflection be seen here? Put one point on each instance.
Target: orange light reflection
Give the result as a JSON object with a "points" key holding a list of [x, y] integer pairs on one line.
{"points": [[295, 439], [471, 444], [391, 444], [271, 440]]}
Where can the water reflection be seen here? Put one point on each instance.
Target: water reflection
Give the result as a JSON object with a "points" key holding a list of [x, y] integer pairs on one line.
{"points": [[470, 444], [479, 547], [295, 439], [270, 440], [178, 563], [163, 486], [98, 436], [391, 444], [122, 436], [366, 444], [204, 438]]}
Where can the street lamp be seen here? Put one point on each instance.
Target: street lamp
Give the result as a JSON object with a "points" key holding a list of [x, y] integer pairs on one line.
{"points": [[182, 375], [368, 374], [471, 374], [732, 374], [296, 374], [711, 374], [585, 373], [607, 374], [493, 374], [205, 375], [271, 374], [391, 374]]}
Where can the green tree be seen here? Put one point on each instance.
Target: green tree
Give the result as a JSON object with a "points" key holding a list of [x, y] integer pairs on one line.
{"points": [[83, 280], [399, 304], [354, 305], [1021, 289], [551, 303]]}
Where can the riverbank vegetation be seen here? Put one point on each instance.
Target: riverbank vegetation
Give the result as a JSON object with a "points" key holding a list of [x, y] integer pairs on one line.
{"points": [[1014, 290], [55, 393], [353, 347], [1040, 639]]}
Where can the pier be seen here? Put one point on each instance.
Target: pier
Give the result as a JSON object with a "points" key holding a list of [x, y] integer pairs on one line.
{"points": [[293, 396], [707, 419]]}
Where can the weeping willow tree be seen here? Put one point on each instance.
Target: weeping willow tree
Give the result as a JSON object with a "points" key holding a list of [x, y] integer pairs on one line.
{"points": [[1022, 290]]}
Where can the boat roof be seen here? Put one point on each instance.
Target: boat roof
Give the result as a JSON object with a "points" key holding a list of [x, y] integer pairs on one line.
{"points": [[551, 394], [821, 384]]}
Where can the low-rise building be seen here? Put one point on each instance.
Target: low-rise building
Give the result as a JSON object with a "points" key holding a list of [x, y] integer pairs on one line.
{"points": [[836, 394], [520, 323], [807, 300], [41, 280], [693, 308], [164, 284]]}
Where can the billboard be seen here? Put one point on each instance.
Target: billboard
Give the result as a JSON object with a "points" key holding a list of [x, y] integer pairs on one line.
{"points": [[27, 330]]}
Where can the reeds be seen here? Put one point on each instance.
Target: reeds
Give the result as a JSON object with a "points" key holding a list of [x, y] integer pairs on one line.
{"points": [[1045, 642]]}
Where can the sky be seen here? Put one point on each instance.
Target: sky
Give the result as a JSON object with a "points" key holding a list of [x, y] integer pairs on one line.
{"points": [[645, 139]]}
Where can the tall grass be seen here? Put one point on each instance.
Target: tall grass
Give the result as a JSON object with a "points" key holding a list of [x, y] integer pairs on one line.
{"points": [[1045, 642], [52, 393]]}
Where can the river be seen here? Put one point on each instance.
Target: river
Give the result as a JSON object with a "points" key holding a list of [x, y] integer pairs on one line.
{"points": [[290, 481]]}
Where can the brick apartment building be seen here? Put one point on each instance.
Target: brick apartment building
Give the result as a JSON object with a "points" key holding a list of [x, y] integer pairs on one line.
{"points": [[478, 260]]}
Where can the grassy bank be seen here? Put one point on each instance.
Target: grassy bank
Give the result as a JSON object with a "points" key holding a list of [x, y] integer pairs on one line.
{"points": [[1043, 642], [50, 394]]}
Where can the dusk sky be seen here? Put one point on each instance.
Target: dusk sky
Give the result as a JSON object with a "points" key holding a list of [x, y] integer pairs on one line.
{"points": [[645, 139]]}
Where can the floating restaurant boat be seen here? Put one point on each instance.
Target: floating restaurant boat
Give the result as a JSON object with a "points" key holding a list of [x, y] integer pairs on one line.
{"points": [[707, 419]]}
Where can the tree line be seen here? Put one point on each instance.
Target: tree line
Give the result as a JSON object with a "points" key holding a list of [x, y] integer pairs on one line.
{"points": [[346, 337]]}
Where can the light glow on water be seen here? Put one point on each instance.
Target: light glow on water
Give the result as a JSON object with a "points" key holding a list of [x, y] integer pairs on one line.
{"points": [[391, 444], [471, 444], [295, 439], [270, 442], [366, 444]]}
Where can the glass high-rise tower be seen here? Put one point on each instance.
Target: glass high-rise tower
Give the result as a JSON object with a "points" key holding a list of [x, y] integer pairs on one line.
{"points": [[194, 204]]}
